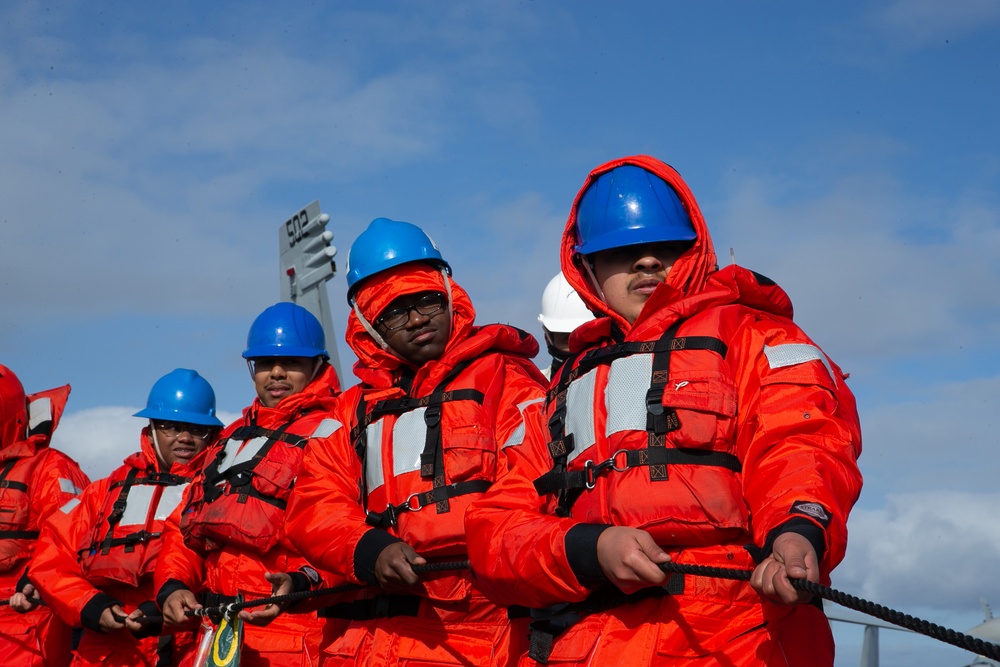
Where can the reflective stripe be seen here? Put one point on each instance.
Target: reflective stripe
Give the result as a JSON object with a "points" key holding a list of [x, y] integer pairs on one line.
{"points": [[140, 497], [408, 437], [627, 407], [374, 477], [235, 455], [792, 354], [68, 507], [326, 428], [580, 413], [517, 437], [40, 410], [67, 486], [169, 501]]}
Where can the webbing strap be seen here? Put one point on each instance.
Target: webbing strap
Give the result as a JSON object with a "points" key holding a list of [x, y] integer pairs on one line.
{"points": [[118, 509], [8, 484], [586, 478], [548, 623], [240, 475], [432, 456], [18, 534], [418, 501]]}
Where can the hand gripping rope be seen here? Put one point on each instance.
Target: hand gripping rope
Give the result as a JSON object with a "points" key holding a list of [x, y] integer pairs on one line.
{"points": [[932, 630]]}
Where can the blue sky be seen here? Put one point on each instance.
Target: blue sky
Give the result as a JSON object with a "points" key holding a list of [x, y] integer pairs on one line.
{"points": [[850, 151]]}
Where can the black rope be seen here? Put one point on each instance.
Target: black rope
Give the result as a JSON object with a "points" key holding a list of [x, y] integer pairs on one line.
{"points": [[298, 596], [933, 630]]}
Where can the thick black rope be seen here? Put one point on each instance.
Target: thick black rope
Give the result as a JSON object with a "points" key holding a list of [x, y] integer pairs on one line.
{"points": [[943, 634], [298, 596]]}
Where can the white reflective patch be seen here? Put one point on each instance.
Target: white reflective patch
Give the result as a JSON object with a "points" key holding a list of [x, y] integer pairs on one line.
{"points": [[40, 410], [517, 437], [626, 406], [374, 477], [580, 413], [408, 437], [67, 486], [235, 455], [169, 500], [326, 428], [792, 354], [68, 507], [140, 497]]}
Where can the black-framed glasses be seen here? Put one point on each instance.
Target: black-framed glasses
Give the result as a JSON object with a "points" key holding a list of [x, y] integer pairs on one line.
{"points": [[396, 319], [176, 428]]}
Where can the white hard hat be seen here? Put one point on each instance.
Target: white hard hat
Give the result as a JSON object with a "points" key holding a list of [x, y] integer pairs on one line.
{"points": [[562, 308]]}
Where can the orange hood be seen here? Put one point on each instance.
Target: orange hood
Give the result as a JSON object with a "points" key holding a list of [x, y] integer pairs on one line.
{"points": [[378, 366], [687, 277]]}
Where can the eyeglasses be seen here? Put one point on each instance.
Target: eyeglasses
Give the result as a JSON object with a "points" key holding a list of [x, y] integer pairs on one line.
{"points": [[176, 428], [396, 319]]}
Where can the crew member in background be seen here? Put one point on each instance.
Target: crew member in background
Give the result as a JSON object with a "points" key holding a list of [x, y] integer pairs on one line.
{"points": [[439, 403], [228, 536], [562, 312], [35, 481], [697, 419], [95, 560]]}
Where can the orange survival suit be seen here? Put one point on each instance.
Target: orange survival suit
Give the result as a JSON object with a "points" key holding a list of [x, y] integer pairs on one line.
{"points": [[229, 530], [102, 550], [430, 440], [712, 422], [35, 481]]}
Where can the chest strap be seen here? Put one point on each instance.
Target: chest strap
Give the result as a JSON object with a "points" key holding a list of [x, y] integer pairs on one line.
{"points": [[8, 484], [237, 478], [17, 486], [550, 622], [432, 456], [118, 508], [660, 420]]}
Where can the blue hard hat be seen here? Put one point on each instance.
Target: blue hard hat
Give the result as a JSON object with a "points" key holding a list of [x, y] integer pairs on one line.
{"points": [[628, 206], [182, 396], [286, 330], [387, 243]]}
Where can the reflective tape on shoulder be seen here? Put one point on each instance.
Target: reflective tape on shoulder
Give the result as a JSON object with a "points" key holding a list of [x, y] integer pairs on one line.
{"points": [[39, 410], [792, 354], [68, 507], [517, 437], [67, 486], [326, 428]]}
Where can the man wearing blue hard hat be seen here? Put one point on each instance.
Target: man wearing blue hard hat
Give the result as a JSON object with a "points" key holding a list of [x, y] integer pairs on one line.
{"points": [[440, 403], [228, 538], [95, 562], [692, 419]]}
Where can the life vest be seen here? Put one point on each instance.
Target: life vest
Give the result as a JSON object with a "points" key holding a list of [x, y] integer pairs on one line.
{"points": [[125, 542], [662, 459], [242, 497], [15, 500], [17, 473], [442, 455]]}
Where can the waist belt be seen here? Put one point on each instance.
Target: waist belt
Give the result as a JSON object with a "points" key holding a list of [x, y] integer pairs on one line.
{"points": [[550, 622], [383, 606]]}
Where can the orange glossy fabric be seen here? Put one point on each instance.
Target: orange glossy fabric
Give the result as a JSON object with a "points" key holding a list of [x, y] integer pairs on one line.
{"points": [[790, 421], [71, 569], [236, 567], [51, 479], [454, 623]]}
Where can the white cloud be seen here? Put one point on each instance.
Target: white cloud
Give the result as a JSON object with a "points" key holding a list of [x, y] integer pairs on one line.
{"points": [[922, 22], [931, 549], [99, 439]]}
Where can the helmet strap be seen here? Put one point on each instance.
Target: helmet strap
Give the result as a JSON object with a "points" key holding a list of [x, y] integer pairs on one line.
{"points": [[370, 329], [156, 444], [588, 267]]}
